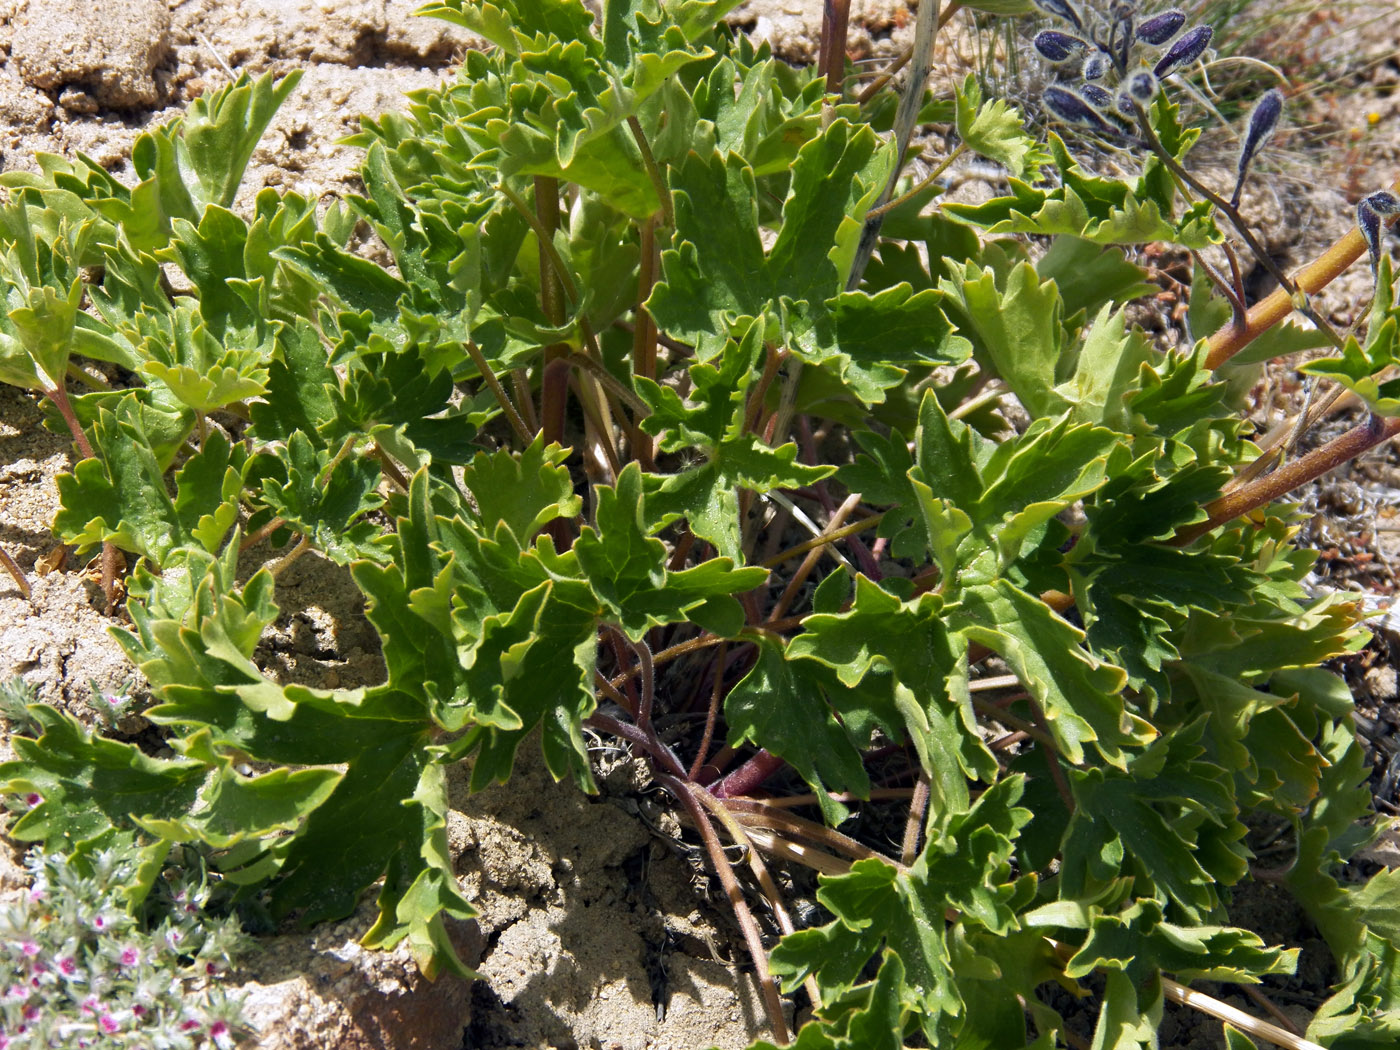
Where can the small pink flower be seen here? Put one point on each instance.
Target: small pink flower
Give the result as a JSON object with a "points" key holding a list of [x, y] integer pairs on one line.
{"points": [[67, 967], [211, 969], [99, 922], [218, 1029], [90, 1005], [189, 1026], [33, 799], [109, 1024], [17, 992], [31, 1013], [130, 957], [30, 948], [36, 895]]}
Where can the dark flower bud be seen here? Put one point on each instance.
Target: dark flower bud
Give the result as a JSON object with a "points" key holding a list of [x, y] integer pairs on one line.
{"points": [[1143, 86], [1074, 109], [1055, 46], [1095, 95], [1371, 215], [1262, 121], [1158, 29], [1190, 46], [1095, 66], [1383, 202], [1060, 9]]}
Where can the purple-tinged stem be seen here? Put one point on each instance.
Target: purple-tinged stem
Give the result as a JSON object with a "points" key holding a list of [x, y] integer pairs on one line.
{"points": [[771, 1003], [749, 777]]}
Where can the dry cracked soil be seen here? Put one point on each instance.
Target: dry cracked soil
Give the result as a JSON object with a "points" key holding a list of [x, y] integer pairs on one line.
{"points": [[598, 927]]}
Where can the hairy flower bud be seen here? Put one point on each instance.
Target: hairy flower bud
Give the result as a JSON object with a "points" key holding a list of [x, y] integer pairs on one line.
{"points": [[1143, 86], [1096, 96], [1074, 109], [1188, 47], [1096, 66], [1060, 9], [1371, 215], [1262, 121], [1055, 46], [1158, 29]]}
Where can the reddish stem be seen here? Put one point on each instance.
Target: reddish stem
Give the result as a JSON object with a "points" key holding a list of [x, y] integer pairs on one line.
{"points": [[749, 777], [836, 19], [752, 939], [12, 567], [554, 384], [59, 397], [716, 698], [1288, 477]]}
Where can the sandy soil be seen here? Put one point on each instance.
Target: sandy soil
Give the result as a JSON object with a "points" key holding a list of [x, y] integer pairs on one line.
{"points": [[597, 928]]}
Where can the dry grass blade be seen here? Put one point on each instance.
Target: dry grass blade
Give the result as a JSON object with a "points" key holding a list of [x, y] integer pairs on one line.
{"points": [[1179, 993]]}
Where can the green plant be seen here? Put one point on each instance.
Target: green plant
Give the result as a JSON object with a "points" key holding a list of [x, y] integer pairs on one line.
{"points": [[656, 311], [102, 949]]}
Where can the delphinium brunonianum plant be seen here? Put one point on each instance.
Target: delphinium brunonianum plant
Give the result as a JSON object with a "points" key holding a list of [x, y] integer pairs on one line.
{"points": [[681, 406]]}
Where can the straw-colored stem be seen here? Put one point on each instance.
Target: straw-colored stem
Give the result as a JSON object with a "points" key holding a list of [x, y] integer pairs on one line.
{"points": [[499, 393], [1249, 1025], [1314, 277], [810, 562], [1288, 477]]}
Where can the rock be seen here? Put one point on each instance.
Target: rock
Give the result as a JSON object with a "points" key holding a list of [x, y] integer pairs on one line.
{"points": [[1385, 850], [107, 50], [325, 990], [58, 642], [355, 33], [429, 40]]}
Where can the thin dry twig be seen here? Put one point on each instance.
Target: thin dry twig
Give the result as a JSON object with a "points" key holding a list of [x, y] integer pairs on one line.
{"points": [[12, 567], [1246, 1023]]}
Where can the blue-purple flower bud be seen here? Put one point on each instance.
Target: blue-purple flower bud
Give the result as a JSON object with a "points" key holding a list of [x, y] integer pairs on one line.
{"points": [[1143, 86], [1074, 109], [1060, 9], [1158, 29], [1095, 95], [1371, 215], [1262, 121], [1096, 66], [1190, 46], [1055, 46]]}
